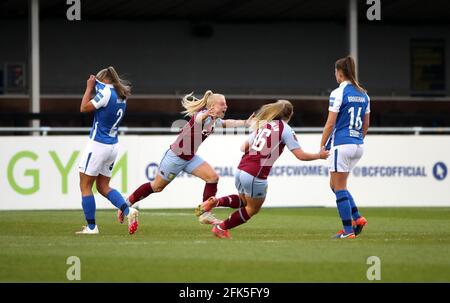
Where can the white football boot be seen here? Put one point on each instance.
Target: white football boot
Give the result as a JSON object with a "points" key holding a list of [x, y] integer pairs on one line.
{"points": [[208, 218], [87, 231]]}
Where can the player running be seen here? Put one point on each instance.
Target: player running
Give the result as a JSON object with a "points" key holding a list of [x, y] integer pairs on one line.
{"points": [[344, 131], [98, 157], [205, 114], [261, 150]]}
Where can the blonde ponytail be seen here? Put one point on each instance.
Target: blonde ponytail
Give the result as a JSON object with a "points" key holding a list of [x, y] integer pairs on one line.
{"points": [[280, 110], [193, 105], [121, 86]]}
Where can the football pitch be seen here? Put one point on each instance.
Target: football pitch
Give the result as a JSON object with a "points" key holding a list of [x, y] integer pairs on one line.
{"points": [[277, 245]]}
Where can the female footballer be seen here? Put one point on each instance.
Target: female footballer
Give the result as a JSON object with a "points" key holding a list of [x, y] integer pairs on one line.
{"points": [[98, 157], [261, 150], [344, 132], [205, 114]]}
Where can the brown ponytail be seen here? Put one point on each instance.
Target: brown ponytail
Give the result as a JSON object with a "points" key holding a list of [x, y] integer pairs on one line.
{"points": [[348, 68], [122, 86]]}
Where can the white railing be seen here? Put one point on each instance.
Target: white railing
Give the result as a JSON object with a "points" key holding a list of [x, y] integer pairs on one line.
{"points": [[176, 97], [45, 130]]}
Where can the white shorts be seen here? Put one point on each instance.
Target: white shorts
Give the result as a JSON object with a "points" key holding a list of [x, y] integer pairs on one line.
{"points": [[343, 158], [98, 158]]}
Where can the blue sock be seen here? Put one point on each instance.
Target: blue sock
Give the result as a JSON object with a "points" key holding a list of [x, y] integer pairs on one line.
{"points": [[345, 211], [118, 201], [88, 203], [355, 212]]}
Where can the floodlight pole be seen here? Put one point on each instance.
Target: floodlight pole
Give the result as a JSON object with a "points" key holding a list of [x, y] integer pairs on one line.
{"points": [[352, 25], [34, 60]]}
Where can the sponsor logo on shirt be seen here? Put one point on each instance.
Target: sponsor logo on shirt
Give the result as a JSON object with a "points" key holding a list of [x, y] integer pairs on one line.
{"points": [[356, 99]]}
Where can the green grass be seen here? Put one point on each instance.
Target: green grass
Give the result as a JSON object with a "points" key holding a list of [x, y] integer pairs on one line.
{"points": [[277, 245]]}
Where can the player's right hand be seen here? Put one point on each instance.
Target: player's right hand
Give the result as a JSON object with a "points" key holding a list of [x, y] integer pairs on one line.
{"points": [[90, 83], [211, 113]]}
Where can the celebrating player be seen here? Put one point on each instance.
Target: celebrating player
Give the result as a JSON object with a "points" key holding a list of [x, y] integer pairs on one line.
{"points": [[261, 150], [206, 113], [344, 131], [98, 158]]}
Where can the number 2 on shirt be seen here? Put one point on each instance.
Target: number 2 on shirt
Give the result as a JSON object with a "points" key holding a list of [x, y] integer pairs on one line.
{"points": [[114, 128]]}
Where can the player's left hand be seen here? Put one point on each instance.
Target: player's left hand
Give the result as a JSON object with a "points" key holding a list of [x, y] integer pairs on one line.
{"points": [[248, 122], [323, 154]]}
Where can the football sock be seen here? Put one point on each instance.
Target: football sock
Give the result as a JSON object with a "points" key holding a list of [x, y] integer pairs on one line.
{"points": [[355, 212], [345, 212], [237, 218], [232, 201], [210, 190], [140, 193], [127, 201], [118, 201], [88, 204]]}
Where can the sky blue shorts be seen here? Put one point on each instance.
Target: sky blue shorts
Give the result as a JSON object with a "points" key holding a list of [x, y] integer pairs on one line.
{"points": [[250, 185], [171, 165]]}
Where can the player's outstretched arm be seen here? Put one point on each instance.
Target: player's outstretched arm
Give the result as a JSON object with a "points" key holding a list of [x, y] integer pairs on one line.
{"points": [[230, 123], [87, 106], [304, 156]]}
